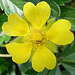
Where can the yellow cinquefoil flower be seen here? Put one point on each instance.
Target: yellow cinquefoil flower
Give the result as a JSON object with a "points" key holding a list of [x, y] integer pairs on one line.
{"points": [[35, 36]]}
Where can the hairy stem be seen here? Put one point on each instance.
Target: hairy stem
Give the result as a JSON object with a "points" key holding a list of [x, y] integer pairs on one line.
{"points": [[5, 55]]}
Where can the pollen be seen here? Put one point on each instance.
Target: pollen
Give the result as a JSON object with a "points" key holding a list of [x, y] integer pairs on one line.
{"points": [[37, 37]]}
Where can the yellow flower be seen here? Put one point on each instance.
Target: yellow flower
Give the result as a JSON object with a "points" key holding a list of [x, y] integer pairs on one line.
{"points": [[35, 36]]}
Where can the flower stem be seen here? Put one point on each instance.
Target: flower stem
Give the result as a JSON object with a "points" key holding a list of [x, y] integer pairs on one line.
{"points": [[5, 55]]}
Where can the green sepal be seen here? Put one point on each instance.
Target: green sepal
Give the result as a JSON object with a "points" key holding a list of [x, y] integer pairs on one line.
{"points": [[19, 39], [49, 23], [51, 46]]}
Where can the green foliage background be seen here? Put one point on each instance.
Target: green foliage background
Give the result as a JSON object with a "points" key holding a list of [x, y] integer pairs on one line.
{"points": [[65, 55]]}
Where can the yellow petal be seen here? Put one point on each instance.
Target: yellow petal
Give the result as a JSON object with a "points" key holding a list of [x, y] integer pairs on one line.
{"points": [[43, 58], [15, 26], [61, 25], [37, 15], [20, 51], [63, 38], [59, 32]]}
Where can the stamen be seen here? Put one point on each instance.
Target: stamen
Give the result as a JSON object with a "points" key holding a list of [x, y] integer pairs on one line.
{"points": [[37, 37]]}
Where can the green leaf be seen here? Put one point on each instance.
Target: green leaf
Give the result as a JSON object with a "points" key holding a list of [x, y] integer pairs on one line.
{"points": [[31, 72], [1, 40], [61, 2], [68, 50], [24, 67], [19, 3], [69, 66], [70, 57], [33, 1], [4, 65], [69, 14], [65, 73], [55, 71], [11, 70], [9, 7], [73, 3], [1, 5], [3, 19], [6, 38], [68, 60], [55, 9]]}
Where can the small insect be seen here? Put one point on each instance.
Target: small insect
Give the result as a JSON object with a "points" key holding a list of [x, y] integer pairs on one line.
{"points": [[38, 41], [46, 24]]}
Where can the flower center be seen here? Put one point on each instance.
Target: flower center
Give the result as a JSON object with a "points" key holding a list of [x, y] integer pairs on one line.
{"points": [[37, 37]]}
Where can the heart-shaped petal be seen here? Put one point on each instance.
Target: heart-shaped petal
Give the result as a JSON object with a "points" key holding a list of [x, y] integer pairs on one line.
{"points": [[15, 26], [43, 58], [37, 15]]}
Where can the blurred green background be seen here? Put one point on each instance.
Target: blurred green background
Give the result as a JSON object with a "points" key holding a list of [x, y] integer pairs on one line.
{"points": [[66, 54]]}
